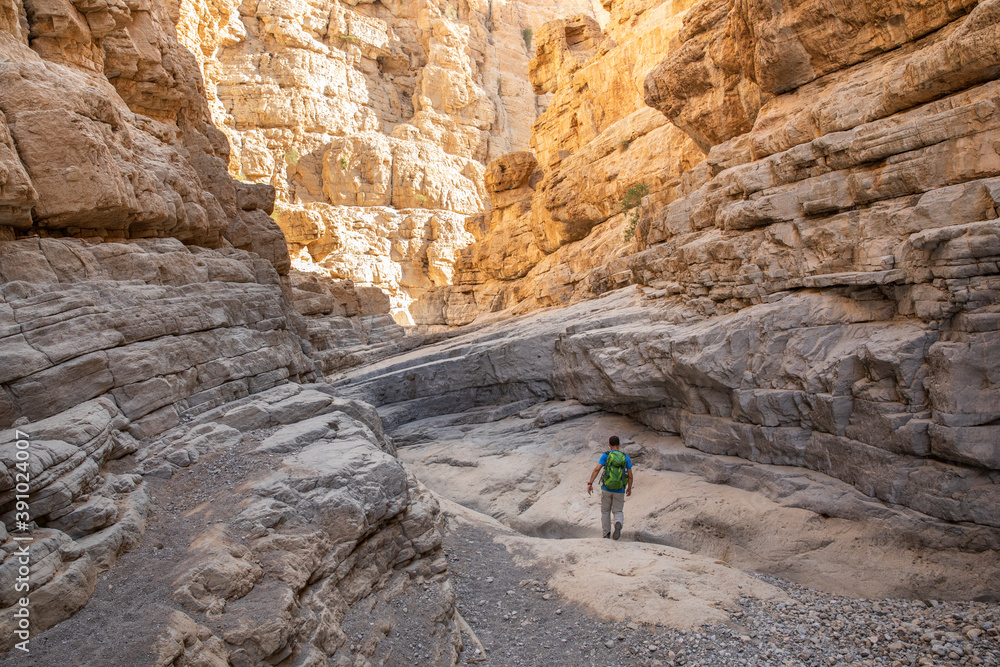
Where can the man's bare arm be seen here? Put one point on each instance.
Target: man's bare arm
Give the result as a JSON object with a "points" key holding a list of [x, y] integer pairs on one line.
{"points": [[593, 476]]}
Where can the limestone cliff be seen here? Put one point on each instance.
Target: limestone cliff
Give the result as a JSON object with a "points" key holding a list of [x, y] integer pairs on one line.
{"points": [[595, 141], [373, 121], [813, 225], [144, 296], [136, 155]]}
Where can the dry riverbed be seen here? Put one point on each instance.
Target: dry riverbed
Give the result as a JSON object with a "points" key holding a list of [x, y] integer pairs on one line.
{"points": [[522, 616]]}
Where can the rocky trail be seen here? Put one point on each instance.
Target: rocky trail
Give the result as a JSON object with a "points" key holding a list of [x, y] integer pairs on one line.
{"points": [[263, 539], [521, 621], [548, 593], [144, 576]]}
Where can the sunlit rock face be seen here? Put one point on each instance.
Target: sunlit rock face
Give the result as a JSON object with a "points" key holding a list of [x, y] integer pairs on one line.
{"points": [[374, 121], [813, 226], [595, 142]]}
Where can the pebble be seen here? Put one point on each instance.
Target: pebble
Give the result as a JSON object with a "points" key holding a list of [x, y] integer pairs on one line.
{"points": [[808, 629]]}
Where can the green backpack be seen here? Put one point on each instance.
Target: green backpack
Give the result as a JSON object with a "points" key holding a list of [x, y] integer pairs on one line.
{"points": [[614, 471]]}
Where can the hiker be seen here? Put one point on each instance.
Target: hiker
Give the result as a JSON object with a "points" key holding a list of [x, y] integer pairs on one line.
{"points": [[617, 467]]}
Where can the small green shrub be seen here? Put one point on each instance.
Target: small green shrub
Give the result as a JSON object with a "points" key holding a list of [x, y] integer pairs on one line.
{"points": [[451, 12], [292, 157], [349, 38], [499, 87], [343, 163], [631, 202], [421, 199], [625, 144], [527, 34], [633, 196]]}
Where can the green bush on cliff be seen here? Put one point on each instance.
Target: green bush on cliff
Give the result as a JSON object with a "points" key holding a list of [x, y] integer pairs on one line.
{"points": [[631, 202]]}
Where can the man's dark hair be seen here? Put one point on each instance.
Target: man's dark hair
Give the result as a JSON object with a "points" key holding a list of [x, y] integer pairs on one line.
{"points": [[614, 441]]}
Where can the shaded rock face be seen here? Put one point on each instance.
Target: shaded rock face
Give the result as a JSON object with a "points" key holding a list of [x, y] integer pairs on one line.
{"points": [[103, 344], [325, 532], [180, 351], [374, 121], [336, 524], [163, 328], [346, 325], [87, 515], [137, 156]]}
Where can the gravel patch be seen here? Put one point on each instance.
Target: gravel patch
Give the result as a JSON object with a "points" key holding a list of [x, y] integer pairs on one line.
{"points": [[521, 622]]}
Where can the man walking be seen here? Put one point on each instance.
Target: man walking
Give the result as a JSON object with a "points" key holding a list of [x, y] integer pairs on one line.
{"points": [[617, 468]]}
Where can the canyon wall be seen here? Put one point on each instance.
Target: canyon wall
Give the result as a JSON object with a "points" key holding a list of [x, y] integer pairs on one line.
{"points": [[595, 142], [776, 230], [137, 155], [373, 121], [812, 225], [145, 296], [131, 263]]}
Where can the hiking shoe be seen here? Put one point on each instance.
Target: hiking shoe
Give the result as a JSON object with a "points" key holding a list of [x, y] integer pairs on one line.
{"points": [[618, 529], [607, 535]]}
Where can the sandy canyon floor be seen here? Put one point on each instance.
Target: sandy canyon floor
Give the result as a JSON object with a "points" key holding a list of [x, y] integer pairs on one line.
{"points": [[513, 595], [705, 574]]}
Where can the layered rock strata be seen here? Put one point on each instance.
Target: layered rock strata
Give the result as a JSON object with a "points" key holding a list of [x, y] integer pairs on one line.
{"points": [[596, 141], [161, 327], [86, 515], [759, 385], [346, 325], [338, 526], [104, 343], [938, 76], [324, 519], [810, 278], [825, 281], [140, 288], [373, 120], [137, 155]]}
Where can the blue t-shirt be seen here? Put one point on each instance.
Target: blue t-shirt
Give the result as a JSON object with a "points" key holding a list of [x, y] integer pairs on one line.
{"points": [[604, 461]]}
